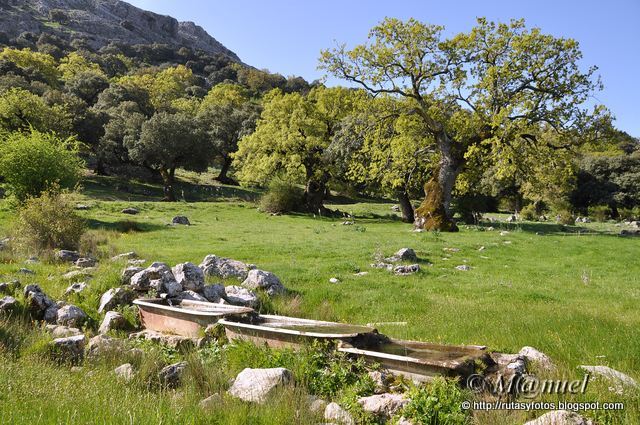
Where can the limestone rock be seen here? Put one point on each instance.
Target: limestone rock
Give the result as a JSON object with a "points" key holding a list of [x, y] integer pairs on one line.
{"points": [[213, 293], [85, 262], [191, 296], [336, 414], [61, 331], [71, 315], [125, 372], [224, 267], [537, 357], [67, 256], [101, 345], [78, 275], [75, 288], [190, 276], [112, 321], [115, 297], [69, 349], [210, 402], [619, 380], [383, 405], [267, 281], [560, 417], [255, 385], [403, 254], [130, 210], [463, 268], [173, 341], [380, 380], [237, 295], [141, 281], [125, 256], [128, 273], [8, 304], [406, 270], [9, 287], [181, 219], [171, 376]]}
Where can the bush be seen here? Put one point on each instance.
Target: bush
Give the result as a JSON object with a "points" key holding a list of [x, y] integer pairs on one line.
{"points": [[630, 214], [48, 222], [438, 402], [565, 217], [600, 213], [35, 162], [281, 197], [529, 213]]}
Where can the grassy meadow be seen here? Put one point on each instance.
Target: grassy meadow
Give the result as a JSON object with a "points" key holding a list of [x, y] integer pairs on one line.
{"points": [[571, 292]]}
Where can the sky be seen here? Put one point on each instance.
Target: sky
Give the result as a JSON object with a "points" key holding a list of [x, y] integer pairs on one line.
{"points": [[286, 36]]}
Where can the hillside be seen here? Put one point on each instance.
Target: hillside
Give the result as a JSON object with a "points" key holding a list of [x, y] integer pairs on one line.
{"points": [[100, 22]]}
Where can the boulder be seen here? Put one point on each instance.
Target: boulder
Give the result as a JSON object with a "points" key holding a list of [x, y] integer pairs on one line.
{"points": [[101, 345], [38, 302], [406, 254], [141, 281], [173, 341], [171, 376], [128, 273], [166, 284], [255, 385], [125, 372], [267, 281], [619, 380], [71, 315], [224, 267], [130, 210], [406, 270], [75, 288], [190, 276], [125, 256], [8, 304], [537, 357], [336, 414], [560, 417], [383, 405], [191, 296], [213, 293], [112, 321], [115, 297], [237, 295], [181, 219], [463, 268], [60, 331], [67, 255], [69, 349], [85, 262]]}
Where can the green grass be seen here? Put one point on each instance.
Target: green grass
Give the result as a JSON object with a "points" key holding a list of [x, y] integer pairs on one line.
{"points": [[570, 292]]}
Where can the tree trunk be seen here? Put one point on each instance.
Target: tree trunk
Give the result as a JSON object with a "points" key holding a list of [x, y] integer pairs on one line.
{"points": [[222, 177], [314, 194], [405, 206], [167, 180], [435, 211]]}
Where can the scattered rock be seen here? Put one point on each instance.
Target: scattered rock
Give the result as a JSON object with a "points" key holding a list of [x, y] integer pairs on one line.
{"points": [[406, 270], [403, 254], [619, 380], [348, 223], [32, 260], [71, 315], [511, 219], [316, 405], [191, 296], [336, 414], [136, 263], [69, 349], [82, 207], [254, 385], [78, 275], [141, 281], [85, 262], [560, 417], [8, 304], [67, 255], [463, 268], [224, 267], [125, 372], [173, 341], [130, 210], [395, 208], [166, 284], [334, 280], [171, 376], [128, 273], [238, 295], [75, 288], [210, 402], [125, 256], [482, 248], [181, 219], [266, 281], [361, 274], [112, 321], [380, 379], [115, 297], [26, 271], [60, 331], [382, 265], [451, 249], [537, 357], [190, 276], [38, 303], [214, 293], [9, 287], [102, 345], [383, 405]]}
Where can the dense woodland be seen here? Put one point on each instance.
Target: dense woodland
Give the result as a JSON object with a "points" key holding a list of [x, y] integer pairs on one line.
{"points": [[499, 117]]}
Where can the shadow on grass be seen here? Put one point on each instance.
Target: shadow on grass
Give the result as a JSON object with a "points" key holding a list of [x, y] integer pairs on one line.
{"points": [[125, 226]]}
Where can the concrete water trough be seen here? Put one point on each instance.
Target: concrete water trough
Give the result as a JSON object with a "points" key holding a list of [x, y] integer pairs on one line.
{"points": [[419, 361], [183, 317], [283, 331]]}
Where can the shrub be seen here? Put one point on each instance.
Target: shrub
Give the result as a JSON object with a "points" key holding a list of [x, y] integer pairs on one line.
{"points": [[281, 197], [48, 222], [529, 213], [438, 402], [565, 217], [600, 213], [34, 162], [629, 213]]}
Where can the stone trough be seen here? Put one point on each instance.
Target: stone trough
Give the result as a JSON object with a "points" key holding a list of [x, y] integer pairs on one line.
{"points": [[183, 317]]}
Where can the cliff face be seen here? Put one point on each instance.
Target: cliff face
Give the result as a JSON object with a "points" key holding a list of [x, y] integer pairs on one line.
{"points": [[100, 22]]}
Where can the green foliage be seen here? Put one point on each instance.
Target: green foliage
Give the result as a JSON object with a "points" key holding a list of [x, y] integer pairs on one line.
{"points": [[529, 213], [35, 162], [281, 197], [43, 64], [565, 217], [600, 213], [21, 110], [437, 403], [48, 222]]}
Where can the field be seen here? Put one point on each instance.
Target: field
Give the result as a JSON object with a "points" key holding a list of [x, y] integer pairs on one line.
{"points": [[571, 292]]}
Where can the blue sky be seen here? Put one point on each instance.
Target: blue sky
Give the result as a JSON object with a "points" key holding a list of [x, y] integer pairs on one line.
{"points": [[286, 36]]}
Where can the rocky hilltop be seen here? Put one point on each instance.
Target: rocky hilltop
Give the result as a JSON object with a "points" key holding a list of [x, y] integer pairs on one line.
{"points": [[100, 22]]}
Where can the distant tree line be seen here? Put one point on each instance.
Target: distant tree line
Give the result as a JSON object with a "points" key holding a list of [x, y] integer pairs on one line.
{"points": [[494, 115]]}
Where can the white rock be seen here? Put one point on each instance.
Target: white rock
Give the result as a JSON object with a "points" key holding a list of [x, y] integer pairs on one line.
{"points": [[267, 281], [75, 288], [538, 357], [383, 405], [334, 280], [112, 321], [190, 276], [463, 268], [255, 385], [171, 376], [71, 316], [336, 414], [125, 372], [69, 348], [406, 270], [237, 295], [191, 296], [618, 379], [125, 256], [224, 267], [560, 417]]}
